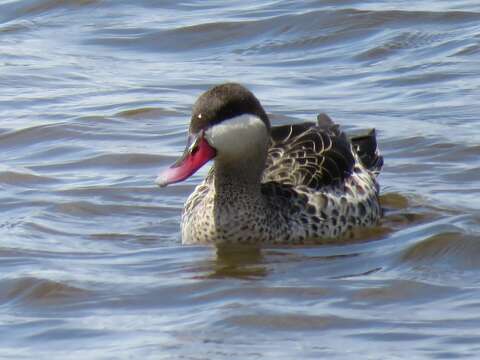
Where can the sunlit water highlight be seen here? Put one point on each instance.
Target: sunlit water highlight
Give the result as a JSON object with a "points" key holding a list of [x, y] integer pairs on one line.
{"points": [[94, 101]]}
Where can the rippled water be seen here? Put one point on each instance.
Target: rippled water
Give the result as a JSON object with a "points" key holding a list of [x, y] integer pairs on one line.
{"points": [[94, 101]]}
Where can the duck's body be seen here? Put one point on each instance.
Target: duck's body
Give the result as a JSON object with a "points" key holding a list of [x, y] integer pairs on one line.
{"points": [[292, 184]]}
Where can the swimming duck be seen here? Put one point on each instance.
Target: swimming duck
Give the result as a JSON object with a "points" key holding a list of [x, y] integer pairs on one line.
{"points": [[281, 185]]}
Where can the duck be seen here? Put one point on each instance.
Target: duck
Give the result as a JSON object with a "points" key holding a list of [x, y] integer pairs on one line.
{"points": [[269, 185]]}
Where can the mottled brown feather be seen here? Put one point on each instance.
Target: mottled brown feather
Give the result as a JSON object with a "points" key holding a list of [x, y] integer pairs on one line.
{"points": [[308, 154]]}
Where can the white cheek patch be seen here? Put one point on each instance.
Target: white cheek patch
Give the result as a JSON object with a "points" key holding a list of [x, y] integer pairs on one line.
{"points": [[238, 135]]}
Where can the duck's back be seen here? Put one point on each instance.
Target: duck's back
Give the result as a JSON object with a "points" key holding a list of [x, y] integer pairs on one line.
{"points": [[318, 155]]}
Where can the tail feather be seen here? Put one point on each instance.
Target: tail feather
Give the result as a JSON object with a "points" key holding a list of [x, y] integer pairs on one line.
{"points": [[365, 145]]}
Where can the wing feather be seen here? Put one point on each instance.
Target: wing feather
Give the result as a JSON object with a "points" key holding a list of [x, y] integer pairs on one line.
{"points": [[314, 155]]}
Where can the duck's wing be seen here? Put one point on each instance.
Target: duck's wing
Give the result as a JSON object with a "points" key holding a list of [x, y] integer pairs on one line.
{"points": [[309, 154]]}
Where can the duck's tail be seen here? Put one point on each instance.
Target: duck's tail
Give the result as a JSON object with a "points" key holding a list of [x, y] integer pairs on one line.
{"points": [[365, 145]]}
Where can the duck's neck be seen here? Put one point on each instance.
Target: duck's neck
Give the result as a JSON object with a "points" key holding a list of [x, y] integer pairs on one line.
{"points": [[239, 180]]}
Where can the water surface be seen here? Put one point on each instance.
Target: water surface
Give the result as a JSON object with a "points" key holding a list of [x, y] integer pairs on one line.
{"points": [[95, 99]]}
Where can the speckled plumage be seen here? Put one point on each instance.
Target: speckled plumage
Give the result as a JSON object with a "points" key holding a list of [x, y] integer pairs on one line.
{"points": [[292, 184]]}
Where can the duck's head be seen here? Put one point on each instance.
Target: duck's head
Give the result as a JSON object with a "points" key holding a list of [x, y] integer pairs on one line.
{"points": [[229, 124]]}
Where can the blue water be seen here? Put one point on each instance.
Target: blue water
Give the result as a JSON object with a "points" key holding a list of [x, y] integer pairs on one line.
{"points": [[95, 99]]}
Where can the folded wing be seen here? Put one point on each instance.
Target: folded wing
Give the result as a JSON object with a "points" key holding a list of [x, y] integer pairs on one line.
{"points": [[309, 154]]}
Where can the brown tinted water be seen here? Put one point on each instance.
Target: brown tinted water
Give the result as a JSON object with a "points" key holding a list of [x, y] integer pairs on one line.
{"points": [[94, 101]]}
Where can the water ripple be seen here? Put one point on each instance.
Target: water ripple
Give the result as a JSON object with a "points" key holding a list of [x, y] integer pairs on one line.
{"points": [[96, 99]]}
